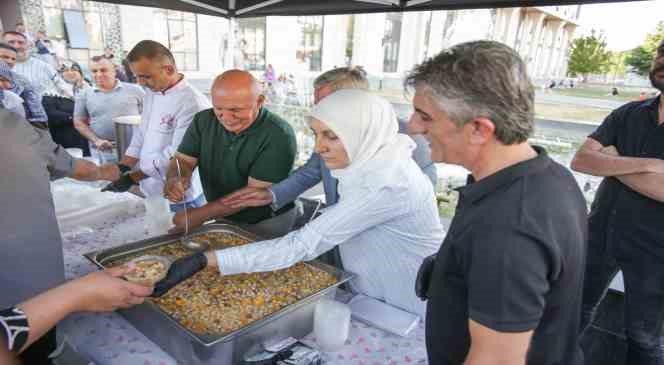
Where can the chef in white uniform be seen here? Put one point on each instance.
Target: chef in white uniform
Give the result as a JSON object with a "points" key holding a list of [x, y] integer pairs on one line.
{"points": [[168, 108]]}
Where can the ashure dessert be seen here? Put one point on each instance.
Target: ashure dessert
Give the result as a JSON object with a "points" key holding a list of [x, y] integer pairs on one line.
{"points": [[209, 303], [148, 270]]}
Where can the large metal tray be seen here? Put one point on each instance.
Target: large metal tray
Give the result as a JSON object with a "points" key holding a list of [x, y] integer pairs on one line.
{"points": [[194, 348]]}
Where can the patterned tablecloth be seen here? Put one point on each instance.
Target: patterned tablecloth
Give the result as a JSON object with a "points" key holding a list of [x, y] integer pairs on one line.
{"points": [[108, 339]]}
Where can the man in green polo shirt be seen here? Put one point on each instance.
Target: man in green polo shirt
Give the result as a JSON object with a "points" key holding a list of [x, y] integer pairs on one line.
{"points": [[237, 143]]}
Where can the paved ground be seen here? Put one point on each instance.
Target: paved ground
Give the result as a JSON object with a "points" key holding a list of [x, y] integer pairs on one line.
{"points": [[204, 86]]}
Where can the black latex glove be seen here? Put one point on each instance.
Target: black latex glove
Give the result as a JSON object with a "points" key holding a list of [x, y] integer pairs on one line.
{"points": [[424, 277], [181, 270], [121, 185], [123, 168]]}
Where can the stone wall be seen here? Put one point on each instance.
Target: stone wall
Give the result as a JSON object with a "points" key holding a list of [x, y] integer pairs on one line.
{"points": [[112, 27], [32, 15]]}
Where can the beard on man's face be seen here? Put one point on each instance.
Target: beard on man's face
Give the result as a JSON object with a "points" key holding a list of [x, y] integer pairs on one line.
{"points": [[657, 83]]}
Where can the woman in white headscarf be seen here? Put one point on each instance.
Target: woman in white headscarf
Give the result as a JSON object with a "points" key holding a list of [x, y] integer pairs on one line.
{"points": [[385, 223]]}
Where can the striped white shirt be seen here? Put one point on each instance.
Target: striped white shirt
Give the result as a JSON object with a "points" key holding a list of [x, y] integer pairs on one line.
{"points": [[42, 77], [384, 227]]}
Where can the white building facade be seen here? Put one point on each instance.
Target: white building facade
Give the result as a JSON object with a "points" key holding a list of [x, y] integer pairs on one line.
{"points": [[386, 44]]}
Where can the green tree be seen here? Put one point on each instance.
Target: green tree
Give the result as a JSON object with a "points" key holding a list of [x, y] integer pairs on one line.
{"points": [[616, 67], [589, 56], [640, 58]]}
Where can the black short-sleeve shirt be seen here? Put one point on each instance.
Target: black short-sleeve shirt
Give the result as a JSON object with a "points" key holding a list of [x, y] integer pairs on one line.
{"points": [[513, 260], [635, 132]]}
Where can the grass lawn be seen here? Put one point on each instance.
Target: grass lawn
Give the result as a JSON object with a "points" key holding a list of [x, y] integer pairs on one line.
{"points": [[553, 111], [570, 112], [599, 92]]}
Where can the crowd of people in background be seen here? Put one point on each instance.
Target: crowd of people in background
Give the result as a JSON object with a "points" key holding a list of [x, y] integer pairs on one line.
{"points": [[281, 89], [60, 95]]}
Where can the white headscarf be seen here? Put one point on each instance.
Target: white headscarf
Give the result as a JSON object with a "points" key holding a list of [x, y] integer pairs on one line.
{"points": [[367, 126]]}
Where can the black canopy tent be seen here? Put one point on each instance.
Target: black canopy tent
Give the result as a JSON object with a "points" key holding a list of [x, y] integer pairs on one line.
{"points": [[257, 8]]}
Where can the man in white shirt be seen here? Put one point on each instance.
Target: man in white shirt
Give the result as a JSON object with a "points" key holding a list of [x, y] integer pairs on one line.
{"points": [[41, 75], [168, 108]]}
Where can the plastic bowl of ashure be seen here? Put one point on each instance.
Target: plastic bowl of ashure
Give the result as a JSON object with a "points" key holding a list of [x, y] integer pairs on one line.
{"points": [[148, 269]]}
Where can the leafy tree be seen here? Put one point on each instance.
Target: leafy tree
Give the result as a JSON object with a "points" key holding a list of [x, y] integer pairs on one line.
{"points": [[589, 56], [640, 58], [616, 67]]}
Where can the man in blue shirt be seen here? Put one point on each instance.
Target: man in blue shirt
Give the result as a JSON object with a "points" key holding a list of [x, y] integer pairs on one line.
{"points": [[34, 110], [314, 170]]}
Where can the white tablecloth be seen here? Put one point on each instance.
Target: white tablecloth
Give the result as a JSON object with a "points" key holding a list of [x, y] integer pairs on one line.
{"points": [[108, 339]]}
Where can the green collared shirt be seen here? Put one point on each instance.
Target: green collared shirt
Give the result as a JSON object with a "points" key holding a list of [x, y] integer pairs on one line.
{"points": [[265, 151]]}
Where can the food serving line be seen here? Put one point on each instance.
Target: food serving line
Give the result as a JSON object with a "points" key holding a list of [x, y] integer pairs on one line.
{"points": [[147, 335]]}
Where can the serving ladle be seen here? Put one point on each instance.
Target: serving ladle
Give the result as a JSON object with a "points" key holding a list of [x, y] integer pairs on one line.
{"points": [[184, 240]]}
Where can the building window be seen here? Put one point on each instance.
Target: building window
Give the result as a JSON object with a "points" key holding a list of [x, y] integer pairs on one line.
{"points": [[179, 32], [55, 27], [251, 44], [391, 41], [311, 41]]}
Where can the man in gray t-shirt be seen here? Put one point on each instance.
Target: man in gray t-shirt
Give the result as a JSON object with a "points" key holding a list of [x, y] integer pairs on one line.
{"points": [[96, 107]]}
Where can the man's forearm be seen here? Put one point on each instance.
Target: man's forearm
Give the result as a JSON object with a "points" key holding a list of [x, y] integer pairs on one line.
{"points": [[648, 184], [88, 171], [601, 164], [59, 304], [212, 210], [84, 129]]}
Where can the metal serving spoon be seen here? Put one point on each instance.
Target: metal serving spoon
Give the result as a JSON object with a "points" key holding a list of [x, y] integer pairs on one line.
{"points": [[184, 240]]}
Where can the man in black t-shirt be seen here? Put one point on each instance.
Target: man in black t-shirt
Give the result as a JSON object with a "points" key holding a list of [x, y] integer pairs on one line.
{"points": [[506, 285], [626, 223]]}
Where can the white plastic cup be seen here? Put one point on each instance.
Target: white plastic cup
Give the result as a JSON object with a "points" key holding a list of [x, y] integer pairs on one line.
{"points": [[331, 324]]}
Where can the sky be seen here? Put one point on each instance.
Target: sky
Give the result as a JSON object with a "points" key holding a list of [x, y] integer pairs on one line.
{"points": [[625, 24]]}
